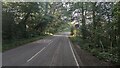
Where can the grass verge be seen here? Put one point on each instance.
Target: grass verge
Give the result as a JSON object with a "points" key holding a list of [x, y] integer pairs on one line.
{"points": [[19, 42], [106, 56]]}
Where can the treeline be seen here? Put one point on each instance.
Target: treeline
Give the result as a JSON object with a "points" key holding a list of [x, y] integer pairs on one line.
{"points": [[100, 29], [24, 19]]}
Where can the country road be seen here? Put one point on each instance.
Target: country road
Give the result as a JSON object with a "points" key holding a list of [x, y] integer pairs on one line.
{"points": [[53, 51]]}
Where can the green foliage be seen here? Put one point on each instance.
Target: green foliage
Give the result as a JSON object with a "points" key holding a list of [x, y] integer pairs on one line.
{"points": [[25, 20], [9, 23], [15, 43], [101, 36]]}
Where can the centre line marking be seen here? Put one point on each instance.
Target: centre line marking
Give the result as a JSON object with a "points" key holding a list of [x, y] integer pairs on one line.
{"points": [[73, 54], [38, 52], [50, 43]]}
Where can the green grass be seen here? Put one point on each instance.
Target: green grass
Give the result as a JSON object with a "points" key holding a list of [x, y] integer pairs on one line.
{"points": [[107, 56], [15, 43]]}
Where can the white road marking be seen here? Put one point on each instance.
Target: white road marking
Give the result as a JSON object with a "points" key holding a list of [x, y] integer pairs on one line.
{"points": [[38, 52], [73, 54], [50, 43]]}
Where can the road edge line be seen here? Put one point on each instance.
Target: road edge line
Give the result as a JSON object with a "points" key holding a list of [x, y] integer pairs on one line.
{"points": [[73, 54]]}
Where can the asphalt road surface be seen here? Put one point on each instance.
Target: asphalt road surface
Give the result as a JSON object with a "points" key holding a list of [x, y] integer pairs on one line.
{"points": [[53, 51]]}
